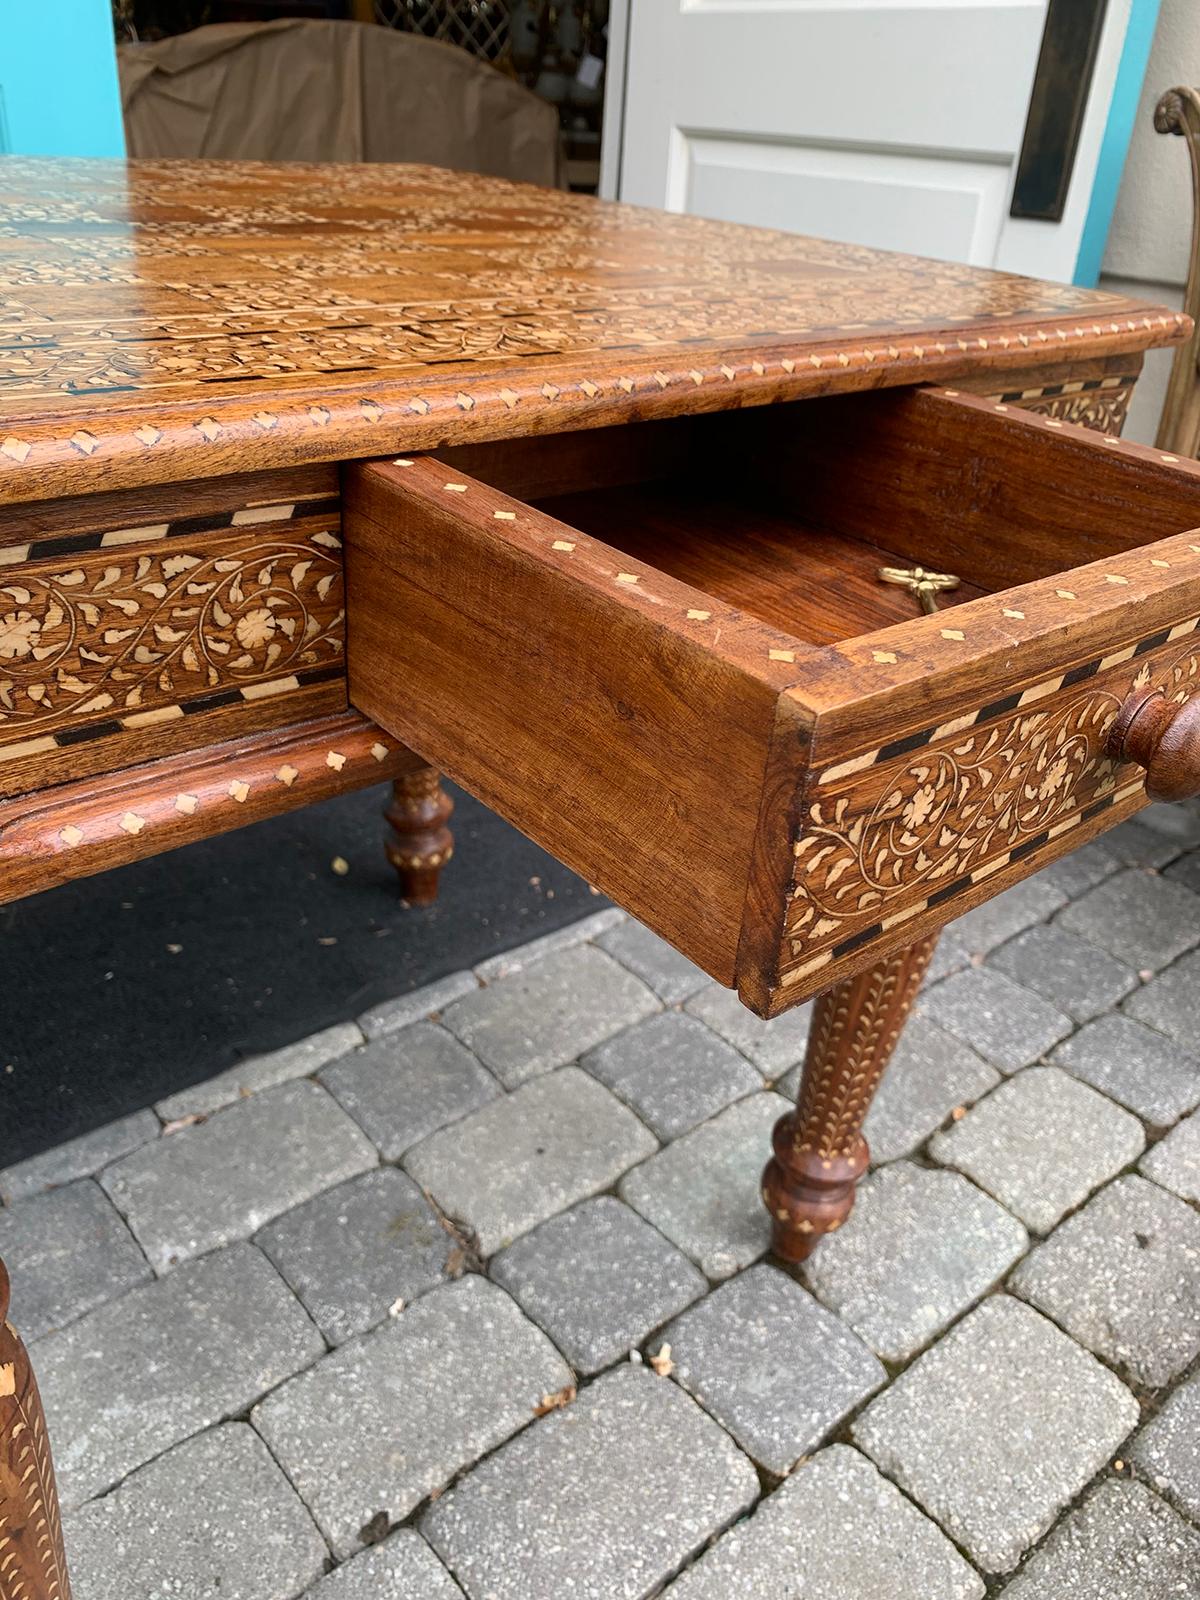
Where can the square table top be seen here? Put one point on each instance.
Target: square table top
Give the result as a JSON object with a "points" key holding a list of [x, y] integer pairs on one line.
{"points": [[164, 320]]}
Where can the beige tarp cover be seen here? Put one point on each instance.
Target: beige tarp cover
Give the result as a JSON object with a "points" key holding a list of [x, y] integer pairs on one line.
{"points": [[298, 90]]}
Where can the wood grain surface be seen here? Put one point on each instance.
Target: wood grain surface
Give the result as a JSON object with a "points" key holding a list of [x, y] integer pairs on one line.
{"points": [[75, 829], [658, 680], [175, 320], [166, 620]]}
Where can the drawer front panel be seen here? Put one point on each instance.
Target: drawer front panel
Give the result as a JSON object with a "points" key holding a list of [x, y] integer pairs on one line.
{"points": [[920, 825], [619, 718], [118, 642], [1097, 403]]}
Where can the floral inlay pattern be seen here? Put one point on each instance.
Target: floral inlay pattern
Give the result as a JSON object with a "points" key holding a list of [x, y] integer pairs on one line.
{"points": [[115, 633], [901, 830], [1101, 409], [350, 309]]}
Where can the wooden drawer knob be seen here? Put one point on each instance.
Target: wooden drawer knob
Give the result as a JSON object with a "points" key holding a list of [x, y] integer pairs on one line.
{"points": [[1162, 736]]}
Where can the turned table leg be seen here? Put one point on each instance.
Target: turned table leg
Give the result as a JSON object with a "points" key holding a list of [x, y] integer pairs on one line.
{"points": [[820, 1152], [32, 1565], [418, 814]]}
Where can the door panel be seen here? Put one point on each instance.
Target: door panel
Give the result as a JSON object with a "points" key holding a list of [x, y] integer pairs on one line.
{"points": [[891, 123], [925, 205]]}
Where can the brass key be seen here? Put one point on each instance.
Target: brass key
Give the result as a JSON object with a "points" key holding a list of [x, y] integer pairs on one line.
{"points": [[926, 586]]}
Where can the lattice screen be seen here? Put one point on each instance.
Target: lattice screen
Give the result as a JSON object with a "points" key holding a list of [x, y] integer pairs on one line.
{"points": [[480, 26]]}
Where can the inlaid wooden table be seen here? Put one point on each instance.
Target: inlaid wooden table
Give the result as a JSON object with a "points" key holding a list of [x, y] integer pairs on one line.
{"points": [[799, 596]]}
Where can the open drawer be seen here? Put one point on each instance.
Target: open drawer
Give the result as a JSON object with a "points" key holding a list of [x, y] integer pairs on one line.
{"points": [[665, 653]]}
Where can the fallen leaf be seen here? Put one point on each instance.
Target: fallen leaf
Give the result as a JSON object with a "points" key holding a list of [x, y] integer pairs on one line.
{"points": [[327, 941], [189, 1121], [662, 1362], [554, 1402], [340, 865]]}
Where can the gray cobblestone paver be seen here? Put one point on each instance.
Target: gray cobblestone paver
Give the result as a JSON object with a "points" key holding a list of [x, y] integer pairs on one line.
{"points": [[1032, 900], [549, 1013], [1004, 1022], [1083, 868], [598, 1279], [404, 1568], [66, 1252], [1134, 1065], [835, 1530], [78, 1158], [774, 1047], [703, 1191], [672, 976], [1176, 820], [1141, 1312], [212, 1519], [1076, 976], [385, 1420], [919, 1249], [997, 1428], [1123, 1543], [352, 1252], [407, 1085], [520, 1159], [1186, 870], [1137, 843], [949, 955], [417, 1004], [1142, 918], [1167, 1451], [222, 1180], [1041, 1143], [673, 1071], [930, 1074], [1168, 1003], [601, 1501], [529, 954], [991, 1435], [772, 1365], [1175, 1161], [299, 1060], [142, 1373]]}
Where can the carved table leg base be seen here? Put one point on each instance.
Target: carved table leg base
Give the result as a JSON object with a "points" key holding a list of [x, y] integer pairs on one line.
{"points": [[418, 814], [807, 1195], [819, 1149], [32, 1564]]}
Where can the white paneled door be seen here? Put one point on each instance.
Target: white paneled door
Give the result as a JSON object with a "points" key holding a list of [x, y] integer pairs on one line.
{"points": [[881, 122]]}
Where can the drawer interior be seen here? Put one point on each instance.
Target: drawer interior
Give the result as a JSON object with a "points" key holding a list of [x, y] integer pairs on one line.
{"points": [[817, 583], [789, 514], [665, 652]]}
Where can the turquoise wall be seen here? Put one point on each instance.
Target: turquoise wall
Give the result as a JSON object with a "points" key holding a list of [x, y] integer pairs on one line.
{"points": [[1131, 73], [58, 79]]}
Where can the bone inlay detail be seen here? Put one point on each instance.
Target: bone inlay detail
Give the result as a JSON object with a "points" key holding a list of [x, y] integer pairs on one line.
{"points": [[129, 636], [888, 836], [417, 299]]}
